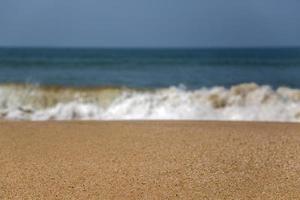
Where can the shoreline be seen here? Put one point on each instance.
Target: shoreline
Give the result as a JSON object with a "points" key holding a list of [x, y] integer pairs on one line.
{"points": [[149, 160]]}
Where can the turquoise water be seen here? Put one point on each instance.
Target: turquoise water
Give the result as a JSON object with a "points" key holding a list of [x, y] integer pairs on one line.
{"points": [[150, 68]]}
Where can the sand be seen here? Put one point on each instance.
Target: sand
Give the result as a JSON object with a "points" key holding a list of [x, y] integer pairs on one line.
{"points": [[149, 160]]}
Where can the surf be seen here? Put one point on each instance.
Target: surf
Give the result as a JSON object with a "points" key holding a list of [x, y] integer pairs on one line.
{"points": [[247, 101]]}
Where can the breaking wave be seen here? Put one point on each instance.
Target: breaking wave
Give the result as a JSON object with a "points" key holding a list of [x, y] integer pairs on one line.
{"points": [[241, 102]]}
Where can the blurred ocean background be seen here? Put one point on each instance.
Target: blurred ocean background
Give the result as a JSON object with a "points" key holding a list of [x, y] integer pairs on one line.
{"points": [[150, 68], [99, 84]]}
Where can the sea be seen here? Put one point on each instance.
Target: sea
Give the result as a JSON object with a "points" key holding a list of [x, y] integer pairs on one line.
{"points": [[240, 84]]}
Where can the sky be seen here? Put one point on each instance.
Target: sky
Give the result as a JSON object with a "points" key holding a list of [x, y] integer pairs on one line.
{"points": [[150, 23]]}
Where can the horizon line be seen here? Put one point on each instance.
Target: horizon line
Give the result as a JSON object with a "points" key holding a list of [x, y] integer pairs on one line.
{"points": [[148, 47]]}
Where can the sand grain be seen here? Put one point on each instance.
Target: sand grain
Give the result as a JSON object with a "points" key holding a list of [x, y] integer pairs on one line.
{"points": [[149, 160]]}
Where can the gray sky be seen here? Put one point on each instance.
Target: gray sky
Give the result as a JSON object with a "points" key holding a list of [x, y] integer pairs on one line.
{"points": [[150, 23]]}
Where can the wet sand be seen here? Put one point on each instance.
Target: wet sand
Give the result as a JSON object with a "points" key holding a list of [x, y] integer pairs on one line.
{"points": [[149, 160]]}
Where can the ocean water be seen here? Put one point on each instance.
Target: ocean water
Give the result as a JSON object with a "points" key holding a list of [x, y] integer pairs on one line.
{"points": [[107, 84]]}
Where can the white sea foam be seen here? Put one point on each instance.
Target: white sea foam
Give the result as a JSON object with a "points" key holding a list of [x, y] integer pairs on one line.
{"points": [[241, 102]]}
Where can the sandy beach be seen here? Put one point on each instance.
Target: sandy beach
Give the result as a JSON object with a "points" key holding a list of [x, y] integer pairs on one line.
{"points": [[149, 160]]}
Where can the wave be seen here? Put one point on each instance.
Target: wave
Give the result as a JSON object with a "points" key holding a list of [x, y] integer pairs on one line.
{"points": [[248, 101]]}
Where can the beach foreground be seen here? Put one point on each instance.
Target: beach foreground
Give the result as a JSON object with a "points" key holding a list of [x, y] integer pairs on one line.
{"points": [[149, 160]]}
